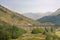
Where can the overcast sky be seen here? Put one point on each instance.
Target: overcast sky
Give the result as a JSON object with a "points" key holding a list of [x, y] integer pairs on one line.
{"points": [[31, 5]]}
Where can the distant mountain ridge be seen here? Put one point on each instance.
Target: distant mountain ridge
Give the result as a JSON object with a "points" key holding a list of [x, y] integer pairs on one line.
{"points": [[53, 18], [36, 16], [32, 15]]}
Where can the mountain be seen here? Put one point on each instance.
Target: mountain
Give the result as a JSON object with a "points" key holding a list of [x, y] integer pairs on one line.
{"points": [[53, 18], [16, 19], [56, 12], [36, 16]]}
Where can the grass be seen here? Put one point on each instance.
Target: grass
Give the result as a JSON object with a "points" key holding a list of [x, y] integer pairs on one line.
{"points": [[58, 33], [32, 37], [40, 36]]}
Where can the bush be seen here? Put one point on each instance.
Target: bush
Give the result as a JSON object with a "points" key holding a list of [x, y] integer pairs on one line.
{"points": [[49, 30], [11, 31], [48, 37], [16, 32], [38, 30], [4, 35]]}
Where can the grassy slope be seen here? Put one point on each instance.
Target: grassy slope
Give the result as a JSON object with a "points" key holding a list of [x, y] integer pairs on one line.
{"points": [[10, 17], [15, 18]]}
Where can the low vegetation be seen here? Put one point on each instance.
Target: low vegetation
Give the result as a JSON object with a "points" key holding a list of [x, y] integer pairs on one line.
{"points": [[10, 32], [38, 30]]}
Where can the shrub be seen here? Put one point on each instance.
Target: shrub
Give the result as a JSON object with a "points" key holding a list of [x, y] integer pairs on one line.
{"points": [[12, 31], [16, 32], [48, 37], [4, 35], [38, 30], [49, 30]]}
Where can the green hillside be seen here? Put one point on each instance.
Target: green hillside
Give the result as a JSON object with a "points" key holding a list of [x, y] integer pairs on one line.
{"points": [[53, 18]]}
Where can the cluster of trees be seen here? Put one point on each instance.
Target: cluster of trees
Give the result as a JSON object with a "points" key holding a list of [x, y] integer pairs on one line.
{"points": [[8, 32]]}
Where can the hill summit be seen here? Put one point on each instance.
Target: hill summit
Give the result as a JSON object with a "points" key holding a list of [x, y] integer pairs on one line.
{"points": [[57, 12]]}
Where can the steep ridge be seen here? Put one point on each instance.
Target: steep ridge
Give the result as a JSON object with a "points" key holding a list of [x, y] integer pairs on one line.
{"points": [[16, 19]]}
